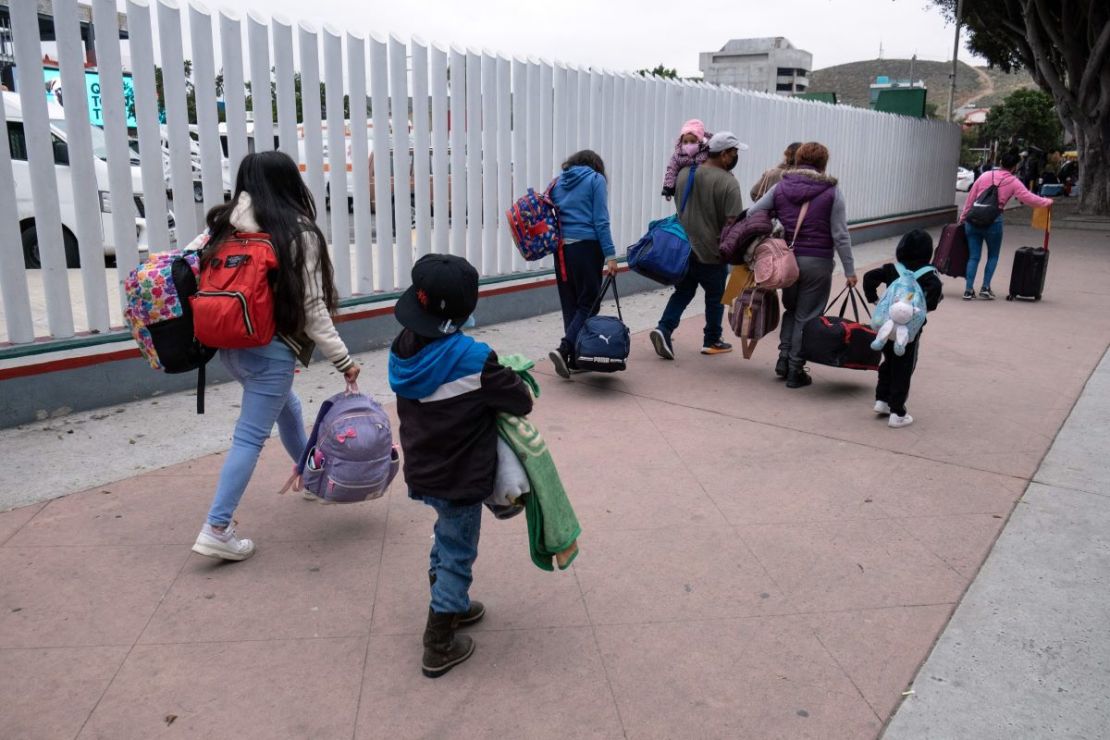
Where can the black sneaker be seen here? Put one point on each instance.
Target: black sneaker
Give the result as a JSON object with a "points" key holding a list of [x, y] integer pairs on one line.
{"points": [[986, 294], [717, 348], [560, 364], [782, 367], [969, 295], [662, 344], [798, 378]]}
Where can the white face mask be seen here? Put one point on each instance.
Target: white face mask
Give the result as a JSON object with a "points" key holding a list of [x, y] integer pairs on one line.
{"points": [[691, 149]]}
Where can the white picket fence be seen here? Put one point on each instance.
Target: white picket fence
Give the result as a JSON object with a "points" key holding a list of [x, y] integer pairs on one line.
{"points": [[482, 129]]}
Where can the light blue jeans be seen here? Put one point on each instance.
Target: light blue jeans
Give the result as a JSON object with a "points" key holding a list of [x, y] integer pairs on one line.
{"points": [[992, 235], [453, 554], [266, 374]]}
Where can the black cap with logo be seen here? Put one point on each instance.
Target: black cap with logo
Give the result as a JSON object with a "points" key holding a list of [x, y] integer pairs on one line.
{"points": [[443, 294]]}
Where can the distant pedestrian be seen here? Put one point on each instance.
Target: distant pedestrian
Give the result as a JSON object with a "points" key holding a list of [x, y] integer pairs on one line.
{"points": [[914, 251], [1009, 186], [271, 197], [808, 201], [691, 148], [714, 197], [771, 177], [449, 389], [587, 252]]}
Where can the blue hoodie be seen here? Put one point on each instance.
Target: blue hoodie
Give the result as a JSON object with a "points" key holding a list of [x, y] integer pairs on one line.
{"points": [[580, 195]]}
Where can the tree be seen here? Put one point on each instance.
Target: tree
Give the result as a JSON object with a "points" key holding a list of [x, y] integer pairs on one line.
{"points": [[1065, 46], [1025, 118], [667, 73]]}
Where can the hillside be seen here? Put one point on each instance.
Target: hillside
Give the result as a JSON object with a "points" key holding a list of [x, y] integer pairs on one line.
{"points": [[851, 82]]}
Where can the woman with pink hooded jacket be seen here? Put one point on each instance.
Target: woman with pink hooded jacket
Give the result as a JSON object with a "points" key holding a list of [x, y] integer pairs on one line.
{"points": [[691, 148]]}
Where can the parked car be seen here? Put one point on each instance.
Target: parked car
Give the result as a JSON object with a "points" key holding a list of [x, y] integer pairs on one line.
{"points": [[21, 171], [964, 179]]}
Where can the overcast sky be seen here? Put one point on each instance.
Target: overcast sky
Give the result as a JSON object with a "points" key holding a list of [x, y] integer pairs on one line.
{"points": [[631, 34]]}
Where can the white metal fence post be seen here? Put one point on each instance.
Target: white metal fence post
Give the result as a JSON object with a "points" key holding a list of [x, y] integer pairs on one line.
{"points": [[441, 157], [119, 153], [457, 87], [258, 41], [177, 119], [312, 126], [44, 185], [337, 160], [71, 58], [402, 164], [489, 164], [285, 84], [155, 203], [474, 158], [505, 248], [13, 275], [360, 165], [208, 123], [235, 99], [383, 189], [520, 183], [421, 149]]}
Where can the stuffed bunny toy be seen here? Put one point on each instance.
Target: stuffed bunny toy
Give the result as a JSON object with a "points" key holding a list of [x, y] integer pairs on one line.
{"points": [[901, 313]]}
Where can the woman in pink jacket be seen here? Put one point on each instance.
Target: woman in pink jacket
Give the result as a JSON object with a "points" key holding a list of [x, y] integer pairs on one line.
{"points": [[1009, 186]]}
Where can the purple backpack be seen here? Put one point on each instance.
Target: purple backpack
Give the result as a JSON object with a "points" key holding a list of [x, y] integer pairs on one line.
{"points": [[350, 456]]}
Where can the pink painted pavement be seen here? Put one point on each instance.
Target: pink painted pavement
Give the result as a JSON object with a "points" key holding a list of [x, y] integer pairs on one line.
{"points": [[756, 562]]}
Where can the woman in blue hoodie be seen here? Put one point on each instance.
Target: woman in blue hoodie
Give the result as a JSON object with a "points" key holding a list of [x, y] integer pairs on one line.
{"points": [[582, 200]]}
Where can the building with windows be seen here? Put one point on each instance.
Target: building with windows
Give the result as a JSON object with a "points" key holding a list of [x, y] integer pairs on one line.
{"points": [[771, 65]]}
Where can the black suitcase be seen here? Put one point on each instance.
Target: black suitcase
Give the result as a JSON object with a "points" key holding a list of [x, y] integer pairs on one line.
{"points": [[1030, 268]]}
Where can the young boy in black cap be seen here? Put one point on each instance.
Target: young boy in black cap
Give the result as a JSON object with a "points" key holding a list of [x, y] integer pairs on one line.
{"points": [[914, 251], [449, 390]]}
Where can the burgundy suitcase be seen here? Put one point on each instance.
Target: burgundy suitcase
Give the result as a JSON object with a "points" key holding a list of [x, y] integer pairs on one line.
{"points": [[952, 252], [754, 315]]}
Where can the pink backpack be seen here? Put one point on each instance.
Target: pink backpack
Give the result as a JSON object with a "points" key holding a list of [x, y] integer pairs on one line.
{"points": [[773, 262]]}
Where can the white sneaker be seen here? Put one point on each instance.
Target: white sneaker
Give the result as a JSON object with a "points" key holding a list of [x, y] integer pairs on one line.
{"points": [[308, 495], [225, 545], [882, 408], [897, 422]]}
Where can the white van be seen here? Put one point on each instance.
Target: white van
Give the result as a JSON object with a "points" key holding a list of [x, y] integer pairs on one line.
{"points": [[17, 144]]}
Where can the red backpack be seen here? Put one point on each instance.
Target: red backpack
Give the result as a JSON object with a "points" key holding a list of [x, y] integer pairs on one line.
{"points": [[234, 305]]}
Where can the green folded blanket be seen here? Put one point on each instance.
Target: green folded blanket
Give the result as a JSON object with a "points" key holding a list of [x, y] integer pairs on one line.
{"points": [[553, 528]]}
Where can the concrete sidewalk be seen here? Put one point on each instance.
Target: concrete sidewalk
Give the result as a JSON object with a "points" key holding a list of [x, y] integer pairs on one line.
{"points": [[756, 562]]}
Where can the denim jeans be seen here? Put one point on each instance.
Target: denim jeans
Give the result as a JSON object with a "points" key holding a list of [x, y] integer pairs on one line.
{"points": [[266, 374], [975, 238], [453, 554], [578, 277], [712, 279]]}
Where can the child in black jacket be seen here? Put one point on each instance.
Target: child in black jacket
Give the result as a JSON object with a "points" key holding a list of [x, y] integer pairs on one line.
{"points": [[914, 251], [449, 389]]}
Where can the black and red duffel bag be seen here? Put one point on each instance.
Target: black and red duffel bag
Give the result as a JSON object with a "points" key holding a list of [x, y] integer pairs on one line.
{"points": [[840, 342]]}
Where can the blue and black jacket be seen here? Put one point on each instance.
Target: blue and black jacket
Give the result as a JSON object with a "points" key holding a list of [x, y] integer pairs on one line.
{"points": [[449, 392]]}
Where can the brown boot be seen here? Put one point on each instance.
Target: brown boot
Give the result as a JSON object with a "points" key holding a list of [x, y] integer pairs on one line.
{"points": [[473, 615], [443, 649]]}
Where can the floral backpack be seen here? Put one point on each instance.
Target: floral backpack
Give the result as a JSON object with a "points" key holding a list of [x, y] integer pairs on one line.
{"points": [[159, 314]]}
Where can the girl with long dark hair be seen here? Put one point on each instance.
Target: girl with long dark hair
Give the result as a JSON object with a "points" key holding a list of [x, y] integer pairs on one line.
{"points": [[270, 197]]}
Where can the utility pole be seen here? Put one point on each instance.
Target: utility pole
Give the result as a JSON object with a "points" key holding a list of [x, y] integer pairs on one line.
{"points": [[955, 55]]}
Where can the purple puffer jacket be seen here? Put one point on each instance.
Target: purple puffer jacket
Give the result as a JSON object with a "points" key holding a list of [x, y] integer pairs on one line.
{"points": [[798, 186], [738, 235]]}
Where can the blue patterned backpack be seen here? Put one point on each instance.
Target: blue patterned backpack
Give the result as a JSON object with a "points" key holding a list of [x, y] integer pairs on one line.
{"points": [[534, 223]]}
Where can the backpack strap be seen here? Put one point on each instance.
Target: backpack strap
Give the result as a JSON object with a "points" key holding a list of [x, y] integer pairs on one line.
{"points": [[922, 271], [798, 226], [325, 407], [689, 187], [611, 280]]}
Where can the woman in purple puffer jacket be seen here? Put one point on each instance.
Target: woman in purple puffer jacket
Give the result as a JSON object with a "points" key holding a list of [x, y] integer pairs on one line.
{"points": [[808, 195]]}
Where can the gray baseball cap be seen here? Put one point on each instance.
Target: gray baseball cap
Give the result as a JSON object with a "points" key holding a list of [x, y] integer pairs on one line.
{"points": [[722, 141]]}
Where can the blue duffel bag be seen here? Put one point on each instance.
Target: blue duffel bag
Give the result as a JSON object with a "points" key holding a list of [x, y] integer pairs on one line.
{"points": [[603, 343], [663, 254]]}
